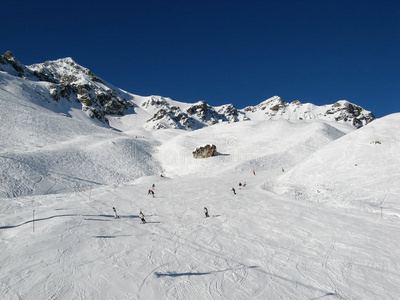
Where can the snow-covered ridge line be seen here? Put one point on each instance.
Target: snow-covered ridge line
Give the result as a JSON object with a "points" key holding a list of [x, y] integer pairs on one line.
{"points": [[68, 82], [341, 111]]}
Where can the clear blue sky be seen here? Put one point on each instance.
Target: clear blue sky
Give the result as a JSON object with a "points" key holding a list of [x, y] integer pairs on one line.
{"points": [[221, 51]]}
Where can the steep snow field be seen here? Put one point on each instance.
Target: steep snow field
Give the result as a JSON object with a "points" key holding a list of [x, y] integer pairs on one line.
{"points": [[318, 220], [60, 150]]}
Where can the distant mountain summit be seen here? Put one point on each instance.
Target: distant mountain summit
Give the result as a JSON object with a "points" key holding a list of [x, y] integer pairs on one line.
{"points": [[67, 82], [188, 116], [344, 111]]}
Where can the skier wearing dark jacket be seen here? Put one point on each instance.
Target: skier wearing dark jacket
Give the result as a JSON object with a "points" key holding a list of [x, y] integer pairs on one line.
{"points": [[115, 213], [206, 212], [141, 216]]}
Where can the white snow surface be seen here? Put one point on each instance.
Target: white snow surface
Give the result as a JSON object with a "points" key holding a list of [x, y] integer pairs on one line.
{"points": [[318, 218]]}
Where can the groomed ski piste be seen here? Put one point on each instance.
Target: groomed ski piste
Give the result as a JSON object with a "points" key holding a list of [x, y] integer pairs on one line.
{"points": [[318, 220]]}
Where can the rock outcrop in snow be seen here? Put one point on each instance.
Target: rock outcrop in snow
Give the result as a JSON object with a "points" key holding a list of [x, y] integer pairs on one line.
{"points": [[205, 152]]}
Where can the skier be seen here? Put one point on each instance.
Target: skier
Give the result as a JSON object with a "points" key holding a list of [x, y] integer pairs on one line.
{"points": [[244, 184], [141, 216], [283, 170], [240, 184], [151, 192], [153, 186], [115, 213], [233, 190], [206, 212], [254, 172]]}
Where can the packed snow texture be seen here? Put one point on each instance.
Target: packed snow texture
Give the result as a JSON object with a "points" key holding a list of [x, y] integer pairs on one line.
{"points": [[318, 217]]}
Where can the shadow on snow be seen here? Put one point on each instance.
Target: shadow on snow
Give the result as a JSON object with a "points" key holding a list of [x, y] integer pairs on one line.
{"points": [[173, 274], [70, 215], [325, 293]]}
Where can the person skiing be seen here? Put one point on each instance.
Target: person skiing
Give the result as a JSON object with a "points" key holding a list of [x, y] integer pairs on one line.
{"points": [[254, 172], [153, 186], [206, 212], [244, 184], [151, 192], [233, 190], [141, 216], [115, 213], [240, 184]]}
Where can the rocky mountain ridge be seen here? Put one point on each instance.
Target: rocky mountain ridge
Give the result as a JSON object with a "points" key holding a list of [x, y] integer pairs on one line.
{"points": [[66, 81], [194, 116], [341, 111]]}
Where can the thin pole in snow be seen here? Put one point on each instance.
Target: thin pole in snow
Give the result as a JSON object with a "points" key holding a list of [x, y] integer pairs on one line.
{"points": [[33, 220], [382, 206], [90, 195]]}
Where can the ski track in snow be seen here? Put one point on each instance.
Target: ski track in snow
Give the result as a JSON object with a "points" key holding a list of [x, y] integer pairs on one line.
{"points": [[264, 250]]}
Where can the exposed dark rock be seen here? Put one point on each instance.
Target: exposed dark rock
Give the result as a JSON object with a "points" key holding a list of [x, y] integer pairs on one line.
{"points": [[8, 58], [206, 151], [201, 109]]}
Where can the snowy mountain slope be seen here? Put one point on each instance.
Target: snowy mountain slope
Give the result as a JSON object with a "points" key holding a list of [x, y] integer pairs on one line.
{"points": [[308, 224], [42, 151], [43, 127], [360, 169], [246, 146], [255, 245]]}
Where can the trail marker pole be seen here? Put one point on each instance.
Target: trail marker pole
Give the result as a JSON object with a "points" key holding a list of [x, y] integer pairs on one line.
{"points": [[381, 212], [33, 220], [90, 195]]}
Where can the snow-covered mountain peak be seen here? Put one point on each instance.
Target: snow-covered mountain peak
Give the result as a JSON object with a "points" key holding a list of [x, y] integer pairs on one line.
{"points": [[68, 84], [341, 111], [173, 114], [275, 100], [64, 70]]}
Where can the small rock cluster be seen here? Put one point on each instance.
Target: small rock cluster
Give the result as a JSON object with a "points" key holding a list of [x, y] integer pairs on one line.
{"points": [[206, 151]]}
